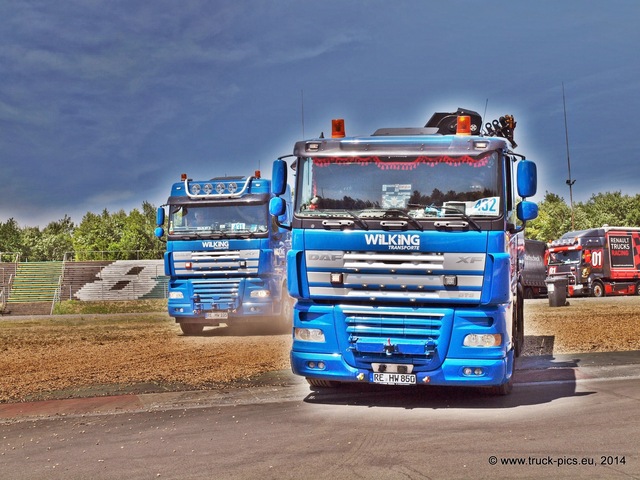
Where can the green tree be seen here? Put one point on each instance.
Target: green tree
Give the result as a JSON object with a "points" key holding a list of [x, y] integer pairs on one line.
{"points": [[10, 240], [633, 214], [118, 235], [56, 239], [30, 237], [94, 236], [137, 239], [610, 208], [554, 219]]}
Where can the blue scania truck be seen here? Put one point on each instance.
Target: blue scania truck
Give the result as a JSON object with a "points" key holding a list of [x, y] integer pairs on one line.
{"points": [[404, 259], [225, 255]]}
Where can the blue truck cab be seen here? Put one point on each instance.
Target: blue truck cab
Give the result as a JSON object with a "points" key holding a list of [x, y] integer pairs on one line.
{"points": [[225, 256], [404, 258]]}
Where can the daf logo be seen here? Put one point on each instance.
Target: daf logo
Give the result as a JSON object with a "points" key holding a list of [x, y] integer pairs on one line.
{"points": [[325, 257], [469, 259]]}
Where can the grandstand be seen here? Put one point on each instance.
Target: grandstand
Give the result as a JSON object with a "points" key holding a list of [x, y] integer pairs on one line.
{"points": [[34, 287]]}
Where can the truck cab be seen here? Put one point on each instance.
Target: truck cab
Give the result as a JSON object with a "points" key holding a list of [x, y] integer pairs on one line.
{"points": [[404, 258], [597, 261], [225, 256]]}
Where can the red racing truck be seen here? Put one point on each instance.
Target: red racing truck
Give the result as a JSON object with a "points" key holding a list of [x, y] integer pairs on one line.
{"points": [[598, 261]]}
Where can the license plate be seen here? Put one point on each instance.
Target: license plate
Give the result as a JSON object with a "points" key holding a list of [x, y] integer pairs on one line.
{"points": [[394, 378], [217, 315]]}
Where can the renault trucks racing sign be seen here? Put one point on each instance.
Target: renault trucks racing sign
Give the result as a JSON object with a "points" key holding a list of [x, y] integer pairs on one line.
{"points": [[621, 251]]}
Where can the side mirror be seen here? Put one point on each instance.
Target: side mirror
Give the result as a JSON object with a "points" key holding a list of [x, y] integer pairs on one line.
{"points": [[278, 210], [279, 177], [527, 211], [159, 232], [277, 207], [160, 217], [527, 179]]}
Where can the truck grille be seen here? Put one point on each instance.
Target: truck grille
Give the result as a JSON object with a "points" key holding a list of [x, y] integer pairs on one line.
{"points": [[228, 262], [391, 335], [217, 292], [402, 277]]}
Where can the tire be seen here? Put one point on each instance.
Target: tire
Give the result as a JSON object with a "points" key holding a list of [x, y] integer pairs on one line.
{"points": [[191, 328], [499, 390], [285, 319], [528, 293], [518, 325], [638, 288], [598, 290]]}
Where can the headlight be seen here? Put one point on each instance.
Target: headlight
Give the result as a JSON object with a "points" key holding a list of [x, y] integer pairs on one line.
{"points": [[176, 295], [260, 294], [308, 334], [483, 340]]}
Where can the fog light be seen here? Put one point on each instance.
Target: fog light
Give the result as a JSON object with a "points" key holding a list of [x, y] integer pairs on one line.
{"points": [[321, 365], [472, 371], [311, 364]]}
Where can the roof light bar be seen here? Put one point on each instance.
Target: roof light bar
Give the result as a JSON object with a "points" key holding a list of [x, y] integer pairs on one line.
{"points": [[464, 125], [337, 128]]}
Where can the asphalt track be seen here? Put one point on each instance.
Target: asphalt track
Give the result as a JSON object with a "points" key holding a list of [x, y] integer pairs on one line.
{"points": [[283, 385]]}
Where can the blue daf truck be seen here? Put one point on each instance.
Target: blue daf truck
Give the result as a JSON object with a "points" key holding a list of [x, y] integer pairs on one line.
{"points": [[404, 259], [225, 256]]}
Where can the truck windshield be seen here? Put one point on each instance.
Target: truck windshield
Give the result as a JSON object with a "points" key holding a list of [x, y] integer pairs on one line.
{"points": [[564, 257], [420, 186], [218, 220]]}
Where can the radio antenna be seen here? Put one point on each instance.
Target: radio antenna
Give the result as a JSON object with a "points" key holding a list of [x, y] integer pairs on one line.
{"points": [[302, 107]]}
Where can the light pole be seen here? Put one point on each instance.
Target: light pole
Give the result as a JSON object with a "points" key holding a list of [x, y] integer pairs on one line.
{"points": [[569, 181]]}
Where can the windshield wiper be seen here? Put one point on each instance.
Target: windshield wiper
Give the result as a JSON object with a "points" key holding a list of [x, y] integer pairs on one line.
{"points": [[242, 233], [462, 214], [330, 214], [189, 235], [405, 216], [361, 223], [443, 208]]}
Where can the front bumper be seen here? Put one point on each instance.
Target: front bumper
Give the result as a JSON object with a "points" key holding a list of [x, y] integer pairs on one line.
{"points": [[495, 371]]}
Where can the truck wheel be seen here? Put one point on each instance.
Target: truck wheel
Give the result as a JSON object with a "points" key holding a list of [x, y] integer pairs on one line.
{"points": [[528, 293], [504, 389], [285, 319], [191, 328], [518, 325], [638, 288], [598, 289]]}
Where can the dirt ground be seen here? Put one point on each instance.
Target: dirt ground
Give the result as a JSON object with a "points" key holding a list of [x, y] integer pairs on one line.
{"points": [[87, 355]]}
